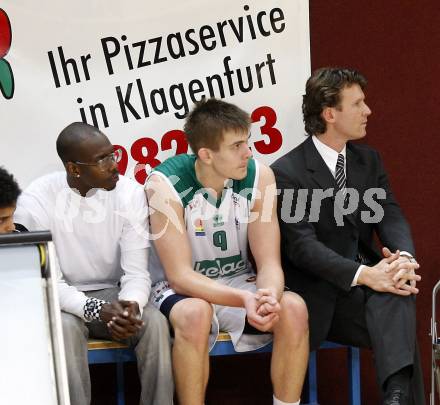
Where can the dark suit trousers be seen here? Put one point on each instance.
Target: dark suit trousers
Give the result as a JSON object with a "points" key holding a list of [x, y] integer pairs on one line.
{"points": [[384, 322]]}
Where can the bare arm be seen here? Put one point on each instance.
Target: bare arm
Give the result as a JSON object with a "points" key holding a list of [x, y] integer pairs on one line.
{"points": [[264, 236]]}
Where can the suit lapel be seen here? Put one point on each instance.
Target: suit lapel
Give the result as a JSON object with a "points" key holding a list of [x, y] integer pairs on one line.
{"points": [[356, 176], [320, 173], [316, 165], [356, 169]]}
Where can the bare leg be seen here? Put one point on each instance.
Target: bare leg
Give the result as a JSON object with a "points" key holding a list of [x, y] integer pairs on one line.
{"points": [[191, 321], [290, 349]]}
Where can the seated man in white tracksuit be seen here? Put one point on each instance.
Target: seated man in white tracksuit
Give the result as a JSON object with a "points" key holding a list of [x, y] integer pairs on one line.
{"points": [[98, 221]]}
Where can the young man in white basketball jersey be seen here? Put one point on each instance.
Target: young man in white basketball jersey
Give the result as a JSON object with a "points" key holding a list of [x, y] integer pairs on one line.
{"points": [[206, 209]]}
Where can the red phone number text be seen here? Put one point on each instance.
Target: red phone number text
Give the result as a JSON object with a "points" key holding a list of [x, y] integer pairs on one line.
{"points": [[144, 150]]}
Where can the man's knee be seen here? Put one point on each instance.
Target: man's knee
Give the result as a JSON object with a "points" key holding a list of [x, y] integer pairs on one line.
{"points": [[75, 335], [391, 305], [155, 325], [153, 318], [73, 327], [191, 319], [294, 312]]}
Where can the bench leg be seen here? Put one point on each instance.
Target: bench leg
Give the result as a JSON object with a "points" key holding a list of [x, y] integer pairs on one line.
{"points": [[312, 380], [354, 377], [120, 398]]}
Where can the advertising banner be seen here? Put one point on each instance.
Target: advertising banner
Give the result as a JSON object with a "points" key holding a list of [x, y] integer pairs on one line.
{"points": [[134, 69]]}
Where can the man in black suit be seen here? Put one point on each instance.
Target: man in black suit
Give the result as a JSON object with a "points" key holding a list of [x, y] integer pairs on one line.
{"points": [[334, 197]]}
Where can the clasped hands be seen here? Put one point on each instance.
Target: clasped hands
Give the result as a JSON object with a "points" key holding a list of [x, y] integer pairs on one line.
{"points": [[122, 318], [394, 274], [262, 309]]}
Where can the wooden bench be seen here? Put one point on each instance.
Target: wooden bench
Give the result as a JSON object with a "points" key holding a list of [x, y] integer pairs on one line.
{"points": [[104, 351]]}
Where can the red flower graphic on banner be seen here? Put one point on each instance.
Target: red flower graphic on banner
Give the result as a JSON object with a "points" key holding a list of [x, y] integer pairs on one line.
{"points": [[6, 75]]}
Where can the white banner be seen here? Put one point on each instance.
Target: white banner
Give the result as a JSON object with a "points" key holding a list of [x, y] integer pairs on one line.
{"points": [[135, 68]]}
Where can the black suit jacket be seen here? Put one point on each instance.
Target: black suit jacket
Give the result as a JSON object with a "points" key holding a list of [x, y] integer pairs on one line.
{"points": [[318, 254]]}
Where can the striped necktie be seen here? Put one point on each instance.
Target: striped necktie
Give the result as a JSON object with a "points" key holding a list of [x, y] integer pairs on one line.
{"points": [[340, 174]]}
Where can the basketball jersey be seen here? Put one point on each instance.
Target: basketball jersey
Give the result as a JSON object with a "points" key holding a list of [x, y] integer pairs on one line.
{"points": [[216, 228]]}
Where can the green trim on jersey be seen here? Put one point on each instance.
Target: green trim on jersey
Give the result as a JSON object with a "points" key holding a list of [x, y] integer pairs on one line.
{"points": [[180, 170]]}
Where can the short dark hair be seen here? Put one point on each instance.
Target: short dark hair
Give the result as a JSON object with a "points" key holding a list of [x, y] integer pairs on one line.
{"points": [[323, 89], [9, 190], [208, 121], [70, 137]]}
